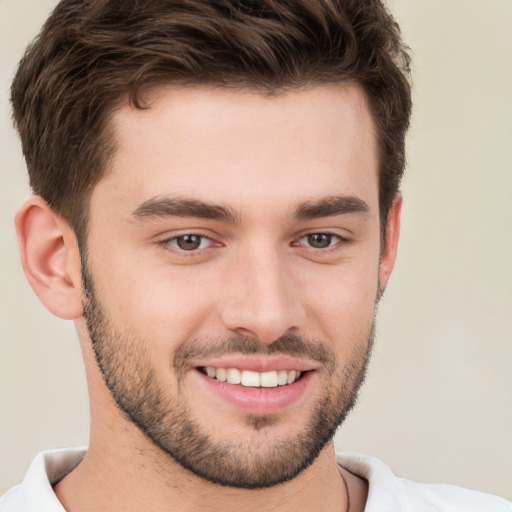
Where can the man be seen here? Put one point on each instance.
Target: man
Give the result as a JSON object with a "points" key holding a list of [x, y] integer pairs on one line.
{"points": [[217, 209]]}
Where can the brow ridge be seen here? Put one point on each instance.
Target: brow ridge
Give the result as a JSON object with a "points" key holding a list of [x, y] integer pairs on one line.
{"points": [[330, 207], [160, 207]]}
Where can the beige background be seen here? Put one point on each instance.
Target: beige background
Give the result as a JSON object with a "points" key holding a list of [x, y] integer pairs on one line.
{"points": [[438, 402]]}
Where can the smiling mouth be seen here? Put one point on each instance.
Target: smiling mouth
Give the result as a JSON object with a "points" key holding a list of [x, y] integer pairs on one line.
{"points": [[248, 378]]}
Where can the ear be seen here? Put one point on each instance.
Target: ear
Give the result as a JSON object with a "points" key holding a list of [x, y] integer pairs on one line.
{"points": [[50, 258], [390, 246]]}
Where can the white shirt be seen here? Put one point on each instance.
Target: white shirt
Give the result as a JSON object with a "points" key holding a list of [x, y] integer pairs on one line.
{"points": [[386, 492]]}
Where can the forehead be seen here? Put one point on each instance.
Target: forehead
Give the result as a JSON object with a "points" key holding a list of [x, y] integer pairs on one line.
{"points": [[243, 148]]}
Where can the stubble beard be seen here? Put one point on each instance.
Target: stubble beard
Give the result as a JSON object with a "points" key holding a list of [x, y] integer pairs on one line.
{"points": [[168, 423]]}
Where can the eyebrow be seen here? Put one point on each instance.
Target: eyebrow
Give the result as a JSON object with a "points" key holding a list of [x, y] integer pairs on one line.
{"points": [[160, 207], [330, 207]]}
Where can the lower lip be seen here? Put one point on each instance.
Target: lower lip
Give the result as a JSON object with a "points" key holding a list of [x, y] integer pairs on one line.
{"points": [[259, 400]]}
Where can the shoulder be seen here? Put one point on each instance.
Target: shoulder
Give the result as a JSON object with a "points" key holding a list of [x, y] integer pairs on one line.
{"points": [[386, 492], [35, 492]]}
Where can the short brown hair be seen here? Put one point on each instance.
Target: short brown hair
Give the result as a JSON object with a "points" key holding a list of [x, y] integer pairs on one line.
{"points": [[91, 53]]}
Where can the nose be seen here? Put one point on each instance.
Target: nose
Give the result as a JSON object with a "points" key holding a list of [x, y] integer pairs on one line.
{"points": [[261, 299]]}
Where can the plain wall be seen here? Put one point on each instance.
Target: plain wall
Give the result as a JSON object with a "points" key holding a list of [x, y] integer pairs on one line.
{"points": [[437, 405]]}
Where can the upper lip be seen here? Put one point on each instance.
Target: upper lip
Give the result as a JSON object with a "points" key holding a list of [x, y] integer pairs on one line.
{"points": [[259, 363]]}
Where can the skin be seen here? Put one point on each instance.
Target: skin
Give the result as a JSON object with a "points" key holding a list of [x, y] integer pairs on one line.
{"points": [[261, 158]]}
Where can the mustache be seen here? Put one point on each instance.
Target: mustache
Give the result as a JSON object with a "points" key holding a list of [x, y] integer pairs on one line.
{"points": [[289, 345]]}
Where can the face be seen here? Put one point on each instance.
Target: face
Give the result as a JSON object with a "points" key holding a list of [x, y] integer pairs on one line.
{"points": [[232, 274]]}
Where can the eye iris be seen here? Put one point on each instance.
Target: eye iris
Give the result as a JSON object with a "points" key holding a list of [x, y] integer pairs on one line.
{"points": [[189, 242], [320, 240]]}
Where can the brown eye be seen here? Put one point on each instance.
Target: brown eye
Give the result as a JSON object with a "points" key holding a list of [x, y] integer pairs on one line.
{"points": [[320, 240], [190, 242]]}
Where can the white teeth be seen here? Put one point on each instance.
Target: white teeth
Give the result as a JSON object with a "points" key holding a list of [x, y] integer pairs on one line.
{"points": [[221, 374], [282, 378], [234, 376], [269, 379], [252, 379]]}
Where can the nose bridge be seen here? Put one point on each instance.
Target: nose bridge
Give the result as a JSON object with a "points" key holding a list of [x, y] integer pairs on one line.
{"points": [[260, 300]]}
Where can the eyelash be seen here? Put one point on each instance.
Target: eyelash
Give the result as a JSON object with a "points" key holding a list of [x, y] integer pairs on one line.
{"points": [[171, 244], [340, 240]]}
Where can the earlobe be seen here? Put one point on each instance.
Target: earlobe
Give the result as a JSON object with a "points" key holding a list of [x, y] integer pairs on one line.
{"points": [[50, 258], [390, 246]]}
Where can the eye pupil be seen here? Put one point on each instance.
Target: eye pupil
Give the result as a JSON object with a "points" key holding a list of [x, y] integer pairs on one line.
{"points": [[188, 242], [319, 240]]}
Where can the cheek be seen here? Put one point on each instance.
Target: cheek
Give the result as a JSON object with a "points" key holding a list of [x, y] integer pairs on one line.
{"points": [[343, 301], [157, 304], [169, 312]]}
